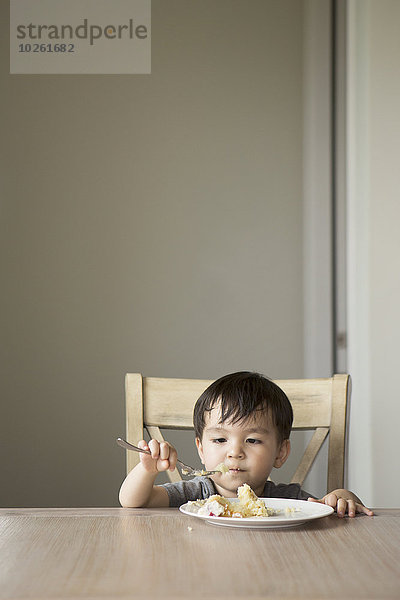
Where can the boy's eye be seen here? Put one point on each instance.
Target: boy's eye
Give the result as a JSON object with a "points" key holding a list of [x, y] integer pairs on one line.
{"points": [[219, 440], [253, 441]]}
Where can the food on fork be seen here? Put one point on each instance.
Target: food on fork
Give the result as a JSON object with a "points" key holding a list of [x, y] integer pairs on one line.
{"points": [[221, 468], [249, 505]]}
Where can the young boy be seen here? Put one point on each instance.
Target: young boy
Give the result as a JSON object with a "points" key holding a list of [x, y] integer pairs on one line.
{"points": [[242, 420]]}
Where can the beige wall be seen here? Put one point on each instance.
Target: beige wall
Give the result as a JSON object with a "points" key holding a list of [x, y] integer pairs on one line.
{"points": [[385, 248], [374, 252], [149, 223]]}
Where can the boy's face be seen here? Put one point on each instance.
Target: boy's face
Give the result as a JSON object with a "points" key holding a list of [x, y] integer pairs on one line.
{"points": [[250, 449]]}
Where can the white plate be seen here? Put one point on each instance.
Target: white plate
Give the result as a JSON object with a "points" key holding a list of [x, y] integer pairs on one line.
{"points": [[303, 512]]}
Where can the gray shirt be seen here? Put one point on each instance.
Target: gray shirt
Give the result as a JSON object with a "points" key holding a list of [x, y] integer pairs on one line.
{"points": [[201, 488]]}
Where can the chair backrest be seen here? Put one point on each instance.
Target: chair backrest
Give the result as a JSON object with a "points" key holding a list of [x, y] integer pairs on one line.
{"points": [[154, 403]]}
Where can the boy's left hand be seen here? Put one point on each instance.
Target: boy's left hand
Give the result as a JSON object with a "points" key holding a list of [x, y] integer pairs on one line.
{"points": [[344, 502]]}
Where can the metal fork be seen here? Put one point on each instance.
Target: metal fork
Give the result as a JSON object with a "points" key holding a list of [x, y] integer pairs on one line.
{"points": [[186, 469]]}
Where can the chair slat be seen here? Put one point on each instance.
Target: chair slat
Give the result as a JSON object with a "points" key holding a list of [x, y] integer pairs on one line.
{"points": [[337, 436], [134, 414], [311, 401], [170, 402], [310, 455]]}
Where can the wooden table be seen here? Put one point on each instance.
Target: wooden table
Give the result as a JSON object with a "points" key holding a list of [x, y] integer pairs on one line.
{"points": [[98, 553]]}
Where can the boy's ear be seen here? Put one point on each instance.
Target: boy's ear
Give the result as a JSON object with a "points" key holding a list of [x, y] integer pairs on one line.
{"points": [[199, 446], [283, 454]]}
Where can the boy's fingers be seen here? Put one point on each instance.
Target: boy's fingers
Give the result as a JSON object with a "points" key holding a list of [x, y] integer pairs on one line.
{"points": [[360, 508], [164, 450], [329, 499], [162, 464], [167, 452], [319, 500], [341, 507], [173, 456], [332, 500], [154, 448], [351, 509]]}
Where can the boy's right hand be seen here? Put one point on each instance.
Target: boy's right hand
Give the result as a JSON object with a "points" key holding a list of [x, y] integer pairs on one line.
{"points": [[163, 456]]}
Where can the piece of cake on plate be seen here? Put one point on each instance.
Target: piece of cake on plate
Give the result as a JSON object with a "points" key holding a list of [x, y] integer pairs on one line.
{"points": [[247, 506]]}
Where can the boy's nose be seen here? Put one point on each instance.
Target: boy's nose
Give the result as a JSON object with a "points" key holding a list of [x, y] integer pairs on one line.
{"points": [[236, 451]]}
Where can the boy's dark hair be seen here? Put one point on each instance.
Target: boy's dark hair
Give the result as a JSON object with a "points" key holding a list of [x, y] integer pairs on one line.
{"points": [[240, 395]]}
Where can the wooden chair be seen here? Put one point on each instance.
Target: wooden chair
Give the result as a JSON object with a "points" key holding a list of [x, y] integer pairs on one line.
{"points": [[318, 404]]}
